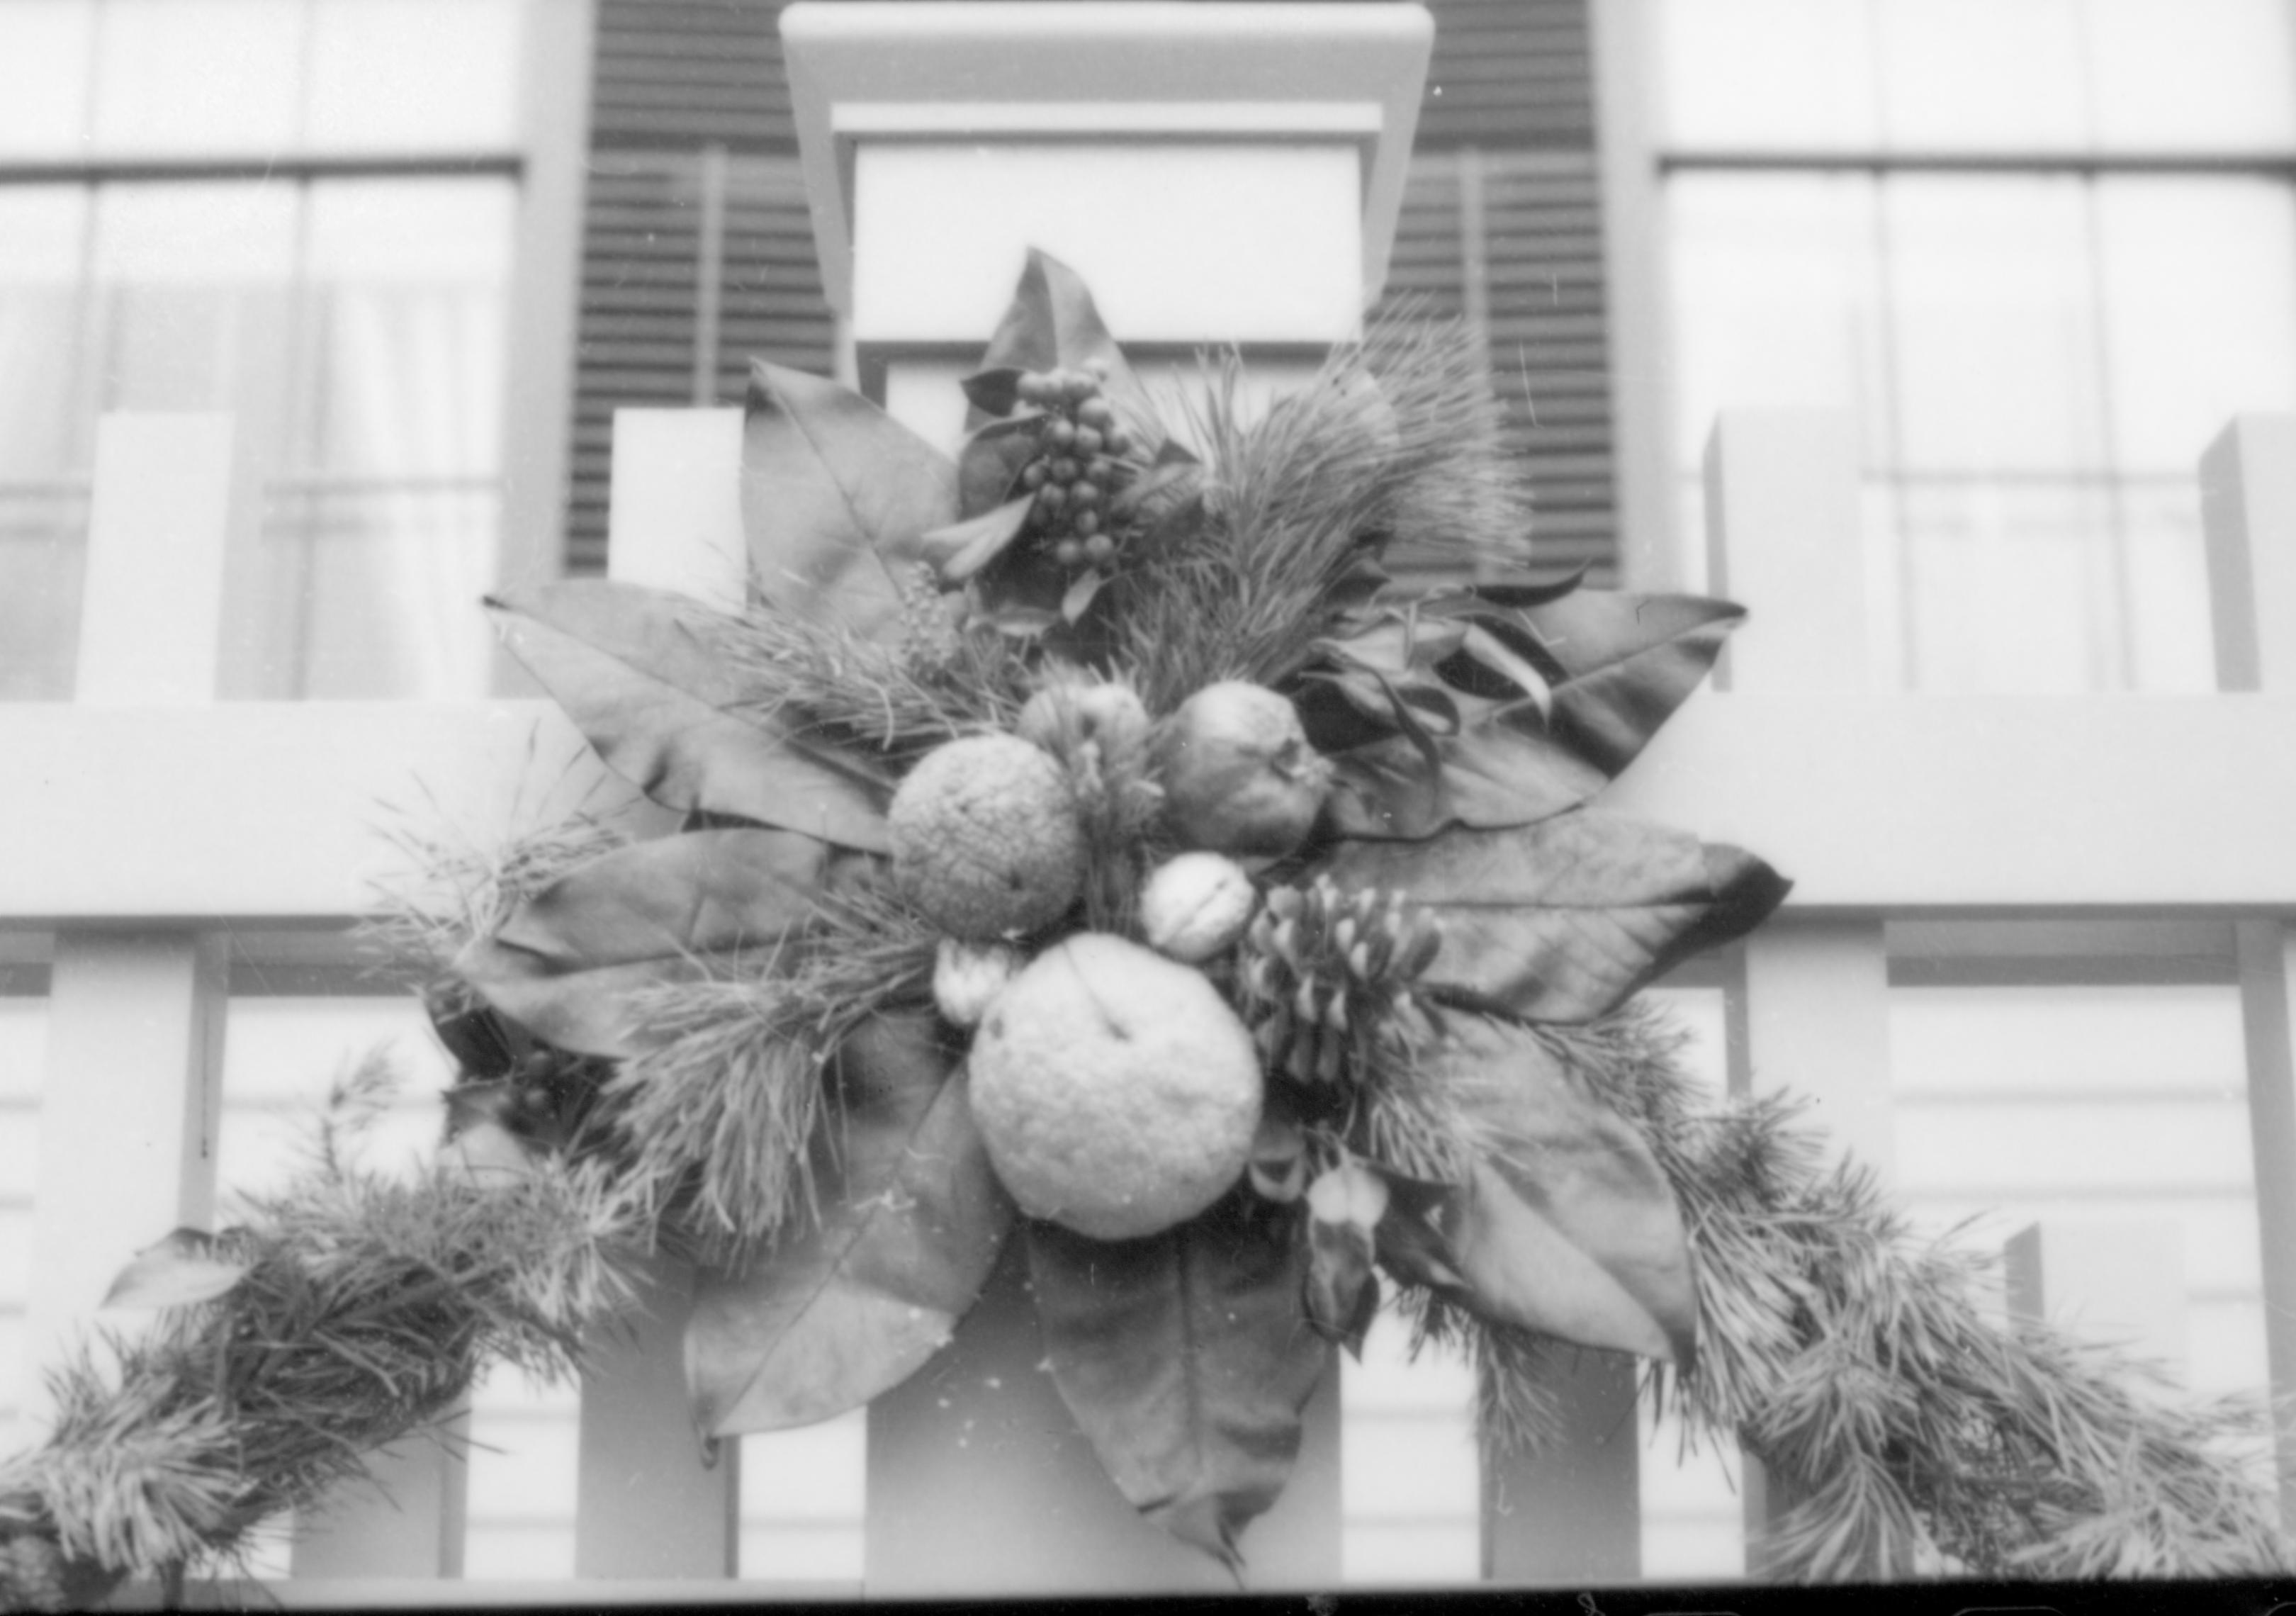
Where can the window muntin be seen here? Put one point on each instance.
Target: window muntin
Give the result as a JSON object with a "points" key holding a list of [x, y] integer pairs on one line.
{"points": [[178, 230], [2040, 258]]}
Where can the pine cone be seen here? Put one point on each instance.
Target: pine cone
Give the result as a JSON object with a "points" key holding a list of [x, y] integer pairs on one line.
{"points": [[32, 1574], [1322, 970]]}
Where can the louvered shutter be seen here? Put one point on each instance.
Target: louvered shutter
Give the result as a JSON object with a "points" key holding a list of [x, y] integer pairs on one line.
{"points": [[1501, 225]]}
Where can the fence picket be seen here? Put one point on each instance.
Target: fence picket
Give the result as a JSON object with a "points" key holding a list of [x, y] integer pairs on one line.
{"points": [[135, 1017], [648, 1506], [1806, 1004], [2248, 494]]}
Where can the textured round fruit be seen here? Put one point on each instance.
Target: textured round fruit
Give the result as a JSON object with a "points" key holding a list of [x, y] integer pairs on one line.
{"points": [[1051, 499], [1088, 442], [1085, 493], [1085, 523], [1194, 906], [1238, 772], [1032, 475], [1060, 431], [1116, 1091], [1099, 549], [985, 838], [1096, 413], [1068, 552]]}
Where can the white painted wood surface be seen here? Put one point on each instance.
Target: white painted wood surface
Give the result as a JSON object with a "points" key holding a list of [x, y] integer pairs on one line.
{"points": [[130, 1095], [2116, 1282], [1170, 73], [1808, 1002], [649, 1505], [2248, 487]]}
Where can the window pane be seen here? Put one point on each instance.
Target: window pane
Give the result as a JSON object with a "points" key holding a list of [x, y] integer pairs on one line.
{"points": [[177, 76], [1766, 73], [193, 290], [381, 536], [1994, 328], [44, 76], [1979, 73], [414, 75], [2199, 306], [2172, 645], [43, 443], [1775, 299], [2091, 1105], [2193, 73], [2011, 587], [43, 244]]}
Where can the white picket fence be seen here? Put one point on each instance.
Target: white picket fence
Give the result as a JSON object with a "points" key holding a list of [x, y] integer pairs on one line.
{"points": [[156, 838]]}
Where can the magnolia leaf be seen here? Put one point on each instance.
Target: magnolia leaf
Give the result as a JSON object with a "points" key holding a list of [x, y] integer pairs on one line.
{"points": [[1052, 324], [996, 392], [566, 964], [1629, 660], [911, 1220], [1483, 645], [636, 671], [1557, 689], [1528, 594], [483, 1045], [1186, 1358], [835, 494], [963, 548], [1571, 1229], [1438, 722], [1341, 1293], [990, 465], [175, 1272], [1561, 921], [1489, 775]]}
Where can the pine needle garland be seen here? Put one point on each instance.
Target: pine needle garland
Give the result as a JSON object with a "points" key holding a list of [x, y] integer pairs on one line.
{"points": [[715, 1118], [368, 1306], [1397, 441], [899, 700], [1855, 1360]]}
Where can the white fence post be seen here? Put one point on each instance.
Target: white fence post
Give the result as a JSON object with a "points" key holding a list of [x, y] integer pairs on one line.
{"points": [[646, 1505], [1807, 1008], [2120, 1283], [128, 1115], [2248, 487]]}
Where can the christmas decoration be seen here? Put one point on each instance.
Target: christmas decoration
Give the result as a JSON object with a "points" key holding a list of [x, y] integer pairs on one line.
{"points": [[1083, 846]]}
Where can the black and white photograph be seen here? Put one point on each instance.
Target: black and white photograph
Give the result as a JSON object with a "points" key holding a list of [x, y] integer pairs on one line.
{"points": [[814, 801]]}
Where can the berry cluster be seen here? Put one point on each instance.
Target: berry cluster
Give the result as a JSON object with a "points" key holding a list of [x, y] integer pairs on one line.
{"points": [[1079, 467]]}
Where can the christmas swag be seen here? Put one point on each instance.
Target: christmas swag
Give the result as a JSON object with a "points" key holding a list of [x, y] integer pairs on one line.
{"points": [[1085, 844]]}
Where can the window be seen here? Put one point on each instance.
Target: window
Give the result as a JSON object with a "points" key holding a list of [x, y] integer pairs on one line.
{"points": [[2041, 250], [301, 211]]}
